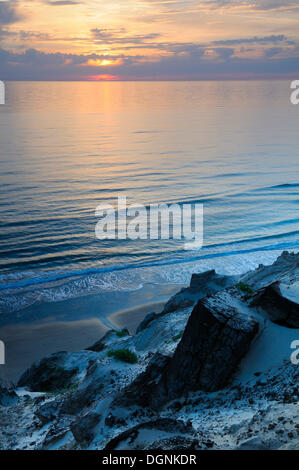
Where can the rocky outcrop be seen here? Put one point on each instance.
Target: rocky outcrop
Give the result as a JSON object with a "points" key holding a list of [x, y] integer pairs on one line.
{"points": [[280, 309], [201, 285], [48, 412], [75, 402], [7, 395], [216, 338], [140, 391], [83, 427], [133, 437], [48, 374], [146, 321], [110, 404]]}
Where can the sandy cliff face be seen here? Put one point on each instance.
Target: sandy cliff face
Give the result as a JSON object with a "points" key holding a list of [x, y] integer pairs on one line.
{"points": [[212, 370]]}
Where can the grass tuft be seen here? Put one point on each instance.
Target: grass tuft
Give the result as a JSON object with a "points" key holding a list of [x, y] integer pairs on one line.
{"points": [[244, 287], [124, 355], [122, 333]]}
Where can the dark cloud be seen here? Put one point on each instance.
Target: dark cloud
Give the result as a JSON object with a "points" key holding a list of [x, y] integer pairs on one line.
{"points": [[273, 51], [9, 13], [112, 36], [275, 4], [262, 5], [254, 40], [58, 3], [191, 62]]}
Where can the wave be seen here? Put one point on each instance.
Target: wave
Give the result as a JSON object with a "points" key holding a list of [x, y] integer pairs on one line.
{"points": [[53, 276]]}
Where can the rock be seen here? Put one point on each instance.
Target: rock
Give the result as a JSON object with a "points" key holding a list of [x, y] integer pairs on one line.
{"points": [[83, 427], [81, 398], [201, 285], [280, 309], [146, 321], [139, 392], [55, 433], [162, 426], [254, 443], [110, 337], [7, 395], [48, 411], [112, 420], [49, 374], [216, 338], [174, 443]]}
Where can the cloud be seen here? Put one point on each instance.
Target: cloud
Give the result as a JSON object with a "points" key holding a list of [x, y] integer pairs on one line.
{"points": [[112, 36], [184, 62], [275, 4], [253, 5], [254, 40], [9, 13], [58, 3]]}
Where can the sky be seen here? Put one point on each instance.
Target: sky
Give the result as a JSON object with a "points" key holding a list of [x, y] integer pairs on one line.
{"points": [[149, 39]]}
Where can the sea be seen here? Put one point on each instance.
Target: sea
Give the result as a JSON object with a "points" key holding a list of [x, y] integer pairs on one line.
{"points": [[67, 147]]}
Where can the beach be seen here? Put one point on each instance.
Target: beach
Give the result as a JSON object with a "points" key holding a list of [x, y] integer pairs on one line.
{"points": [[72, 325]]}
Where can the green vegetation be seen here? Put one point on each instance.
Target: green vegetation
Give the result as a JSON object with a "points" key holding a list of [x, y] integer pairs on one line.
{"points": [[124, 355], [175, 338], [178, 336], [122, 333], [244, 288]]}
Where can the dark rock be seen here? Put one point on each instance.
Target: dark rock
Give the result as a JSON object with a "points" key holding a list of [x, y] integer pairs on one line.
{"points": [[48, 411], [280, 310], [168, 425], [112, 420], [7, 395], [140, 390], [146, 321], [174, 443], [83, 427], [81, 398], [216, 338], [55, 433], [48, 374], [201, 285]]}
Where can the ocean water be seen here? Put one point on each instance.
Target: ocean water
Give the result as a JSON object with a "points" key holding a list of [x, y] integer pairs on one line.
{"points": [[67, 147]]}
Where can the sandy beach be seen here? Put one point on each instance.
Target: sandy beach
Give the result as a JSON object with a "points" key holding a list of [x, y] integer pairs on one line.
{"points": [[72, 325]]}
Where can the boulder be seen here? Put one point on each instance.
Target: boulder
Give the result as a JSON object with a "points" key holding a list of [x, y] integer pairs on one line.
{"points": [[49, 374], [83, 427], [140, 390], [48, 411], [201, 285], [7, 395], [216, 338], [79, 399], [279, 304], [146, 321], [141, 435]]}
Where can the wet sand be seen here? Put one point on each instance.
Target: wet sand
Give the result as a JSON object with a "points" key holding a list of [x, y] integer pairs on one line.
{"points": [[71, 325], [25, 343], [131, 318]]}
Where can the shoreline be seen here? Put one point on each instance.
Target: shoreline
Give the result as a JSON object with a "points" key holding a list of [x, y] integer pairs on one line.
{"points": [[31, 340]]}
